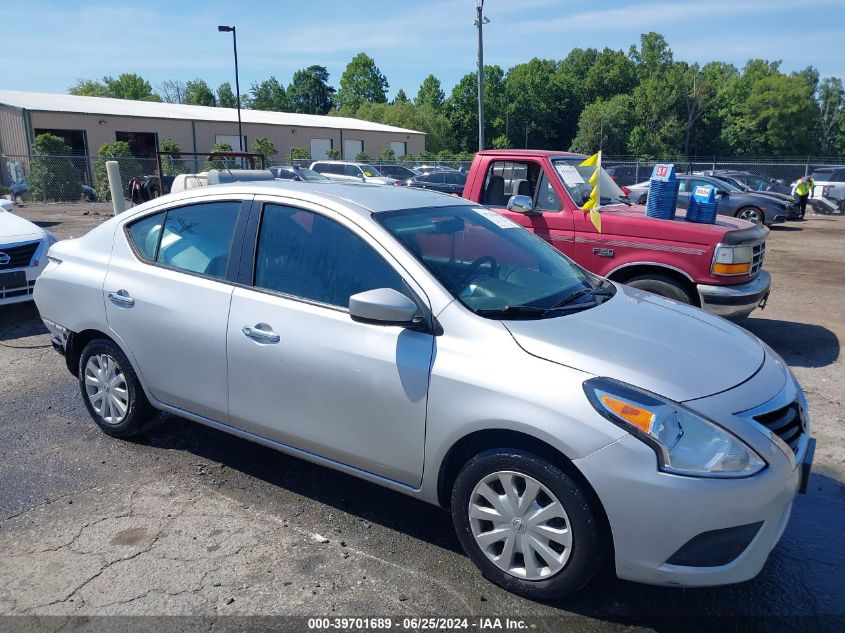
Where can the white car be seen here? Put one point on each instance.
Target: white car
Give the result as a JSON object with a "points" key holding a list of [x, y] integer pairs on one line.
{"points": [[351, 172], [23, 255]]}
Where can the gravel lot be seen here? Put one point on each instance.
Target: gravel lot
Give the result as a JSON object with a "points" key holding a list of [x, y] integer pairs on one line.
{"points": [[190, 521]]}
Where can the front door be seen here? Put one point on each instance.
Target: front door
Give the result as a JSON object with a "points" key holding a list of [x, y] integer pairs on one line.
{"points": [[167, 300], [303, 373]]}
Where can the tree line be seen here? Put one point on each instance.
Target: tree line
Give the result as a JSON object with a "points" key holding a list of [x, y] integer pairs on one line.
{"points": [[641, 102]]}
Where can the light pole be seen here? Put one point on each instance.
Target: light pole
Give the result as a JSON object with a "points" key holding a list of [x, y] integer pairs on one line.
{"points": [[480, 21], [227, 29]]}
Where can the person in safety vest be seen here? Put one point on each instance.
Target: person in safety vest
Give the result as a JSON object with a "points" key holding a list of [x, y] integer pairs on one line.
{"points": [[802, 190]]}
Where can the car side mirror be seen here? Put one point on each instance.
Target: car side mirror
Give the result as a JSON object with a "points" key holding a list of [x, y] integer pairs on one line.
{"points": [[722, 193], [382, 306], [521, 204]]}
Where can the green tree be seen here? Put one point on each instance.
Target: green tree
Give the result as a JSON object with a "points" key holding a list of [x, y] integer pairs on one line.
{"points": [[269, 95], [387, 156], [400, 97], [333, 154], [653, 55], [605, 125], [265, 147], [52, 174], [831, 99], [225, 96], [362, 157], [220, 162], [543, 105], [171, 160], [406, 115], [780, 116], [578, 62], [299, 153], [309, 91], [128, 164], [125, 86], [361, 82], [612, 73], [462, 108], [197, 92], [172, 91], [430, 93]]}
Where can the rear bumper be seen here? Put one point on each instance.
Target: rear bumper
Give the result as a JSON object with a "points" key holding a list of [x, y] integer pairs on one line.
{"points": [[736, 301]]}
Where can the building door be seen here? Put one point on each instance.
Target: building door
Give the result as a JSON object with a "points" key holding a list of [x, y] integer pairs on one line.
{"points": [[320, 148], [399, 148], [141, 144], [351, 148]]}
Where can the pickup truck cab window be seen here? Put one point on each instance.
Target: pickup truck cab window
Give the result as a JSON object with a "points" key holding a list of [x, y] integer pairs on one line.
{"points": [[309, 256]]}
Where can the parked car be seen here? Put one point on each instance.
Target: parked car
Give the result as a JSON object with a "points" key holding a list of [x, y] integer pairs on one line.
{"points": [[733, 201], [23, 255], [544, 190], [624, 175], [442, 181], [297, 173], [736, 179], [828, 190], [351, 172], [754, 182], [399, 172], [468, 364]]}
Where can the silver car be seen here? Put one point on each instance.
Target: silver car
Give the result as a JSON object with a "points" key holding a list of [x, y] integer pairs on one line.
{"points": [[432, 346]]}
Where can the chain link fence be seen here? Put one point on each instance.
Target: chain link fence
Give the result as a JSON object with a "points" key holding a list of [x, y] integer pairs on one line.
{"points": [[72, 178]]}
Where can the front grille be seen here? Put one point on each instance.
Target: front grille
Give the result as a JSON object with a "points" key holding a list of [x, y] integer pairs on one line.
{"points": [[22, 291], [757, 259], [19, 256], [787, 423]]}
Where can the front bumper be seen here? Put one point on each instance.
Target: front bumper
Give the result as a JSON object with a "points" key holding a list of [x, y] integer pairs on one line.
{"points": [[736, 301], [655, 516], [21, 290]]}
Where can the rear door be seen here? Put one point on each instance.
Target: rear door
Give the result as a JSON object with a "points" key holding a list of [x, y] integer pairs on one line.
{"points": [[167, 294], [301, 371]]}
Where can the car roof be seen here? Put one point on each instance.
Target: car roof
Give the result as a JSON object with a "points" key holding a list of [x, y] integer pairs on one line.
{"points": [[362, 198], [548, 153]]}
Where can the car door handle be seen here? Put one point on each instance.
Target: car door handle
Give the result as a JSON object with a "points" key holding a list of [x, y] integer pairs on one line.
{"points": [[260, 334], [121, 299]]}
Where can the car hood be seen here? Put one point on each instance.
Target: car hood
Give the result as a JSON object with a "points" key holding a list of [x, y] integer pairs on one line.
{"points": [[14, 228], [384, 180], [671, 349]]}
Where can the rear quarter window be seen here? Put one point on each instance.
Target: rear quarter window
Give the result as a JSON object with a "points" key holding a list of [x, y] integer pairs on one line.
{"points": [[144, 235]]}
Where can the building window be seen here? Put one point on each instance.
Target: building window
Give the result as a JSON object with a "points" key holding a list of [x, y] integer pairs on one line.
{"points": [[400, 148], [231, 140]]}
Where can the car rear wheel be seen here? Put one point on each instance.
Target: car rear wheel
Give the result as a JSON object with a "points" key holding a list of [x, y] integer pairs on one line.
{"points": [[526, 524], [111, 390], [663, 286], [752, 214]]}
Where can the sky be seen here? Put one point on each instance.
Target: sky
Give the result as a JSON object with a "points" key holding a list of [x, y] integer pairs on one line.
{"points": [[63, 41]]}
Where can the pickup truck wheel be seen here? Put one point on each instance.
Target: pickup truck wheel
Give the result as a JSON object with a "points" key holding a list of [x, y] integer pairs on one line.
{"points": [[526, 524], [752, 214], [663, 286], [111, 390]]}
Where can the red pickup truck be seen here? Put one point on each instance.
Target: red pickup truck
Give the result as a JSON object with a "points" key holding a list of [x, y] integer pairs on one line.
{"points": [[717, 267]]}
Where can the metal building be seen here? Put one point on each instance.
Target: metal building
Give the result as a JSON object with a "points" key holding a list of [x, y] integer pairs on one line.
{"points": [[86, 123]]}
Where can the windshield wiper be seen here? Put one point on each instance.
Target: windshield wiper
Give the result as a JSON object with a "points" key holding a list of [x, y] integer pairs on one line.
{"points": [[594, 292], [513, 310]]}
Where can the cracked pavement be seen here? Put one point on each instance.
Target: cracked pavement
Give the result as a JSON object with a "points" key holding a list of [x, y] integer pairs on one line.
{"points": [[186, 520]]}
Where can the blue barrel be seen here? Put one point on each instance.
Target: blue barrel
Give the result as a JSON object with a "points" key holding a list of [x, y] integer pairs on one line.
{"points": [[703, 206], [662, 193]]}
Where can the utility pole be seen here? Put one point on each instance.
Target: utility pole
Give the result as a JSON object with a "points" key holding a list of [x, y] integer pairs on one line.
{"points": [[231, 29], [480, 21]]}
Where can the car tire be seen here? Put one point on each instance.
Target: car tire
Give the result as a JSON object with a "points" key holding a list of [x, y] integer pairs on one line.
{"points": [[663, 286], [752, 214], [561, 569], [111, 390]]}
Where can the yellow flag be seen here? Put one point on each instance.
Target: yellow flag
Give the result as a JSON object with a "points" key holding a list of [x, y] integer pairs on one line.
{"points": [[594, 178], [589, 204], [595, 217], [592, 160]]}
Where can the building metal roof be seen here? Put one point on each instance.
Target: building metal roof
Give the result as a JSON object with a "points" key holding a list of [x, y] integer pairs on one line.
{"points": [[47, 102]]}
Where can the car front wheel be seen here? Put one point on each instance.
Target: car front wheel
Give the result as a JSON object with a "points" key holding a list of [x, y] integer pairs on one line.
{"points": [[527, 525], [752, 214], [111, 390]]}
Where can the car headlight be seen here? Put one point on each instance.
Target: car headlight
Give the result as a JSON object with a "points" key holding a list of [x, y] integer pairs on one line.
{"points": [[732, 260], [685, 442]]}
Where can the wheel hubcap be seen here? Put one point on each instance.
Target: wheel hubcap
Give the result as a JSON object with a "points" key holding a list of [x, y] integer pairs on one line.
{"points": [[751, 216], [106, 387], [520, 525]]}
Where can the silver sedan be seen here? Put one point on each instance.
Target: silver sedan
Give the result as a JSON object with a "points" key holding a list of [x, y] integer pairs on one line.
{"points": [[434, 347]]}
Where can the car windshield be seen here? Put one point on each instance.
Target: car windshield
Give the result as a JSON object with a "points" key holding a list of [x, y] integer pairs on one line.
{"points": [[370, 171], [756, 183], [491, 264], [575, 178], [308, 174], [727, 185]]}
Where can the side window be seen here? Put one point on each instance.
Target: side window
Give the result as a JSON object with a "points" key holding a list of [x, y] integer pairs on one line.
{"points": [[320, 168], [144, 235], [307, 255], [547, 199], [351, 170], [455, 179], [683, 185], [507, 178], [437, 177], [198, 238]]}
